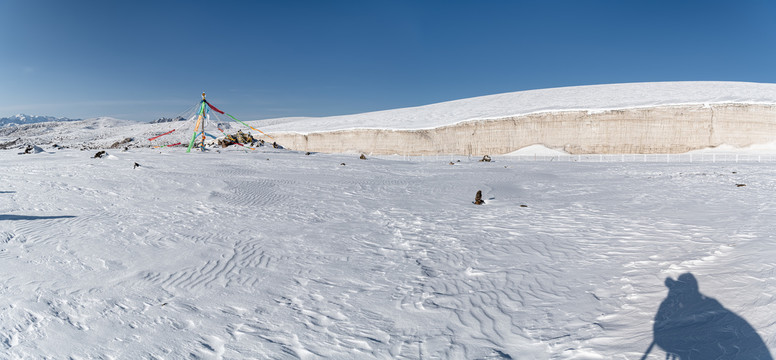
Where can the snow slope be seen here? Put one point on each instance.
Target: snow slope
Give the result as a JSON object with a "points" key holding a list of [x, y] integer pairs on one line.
{"points": [[274, 254], [591, 98]]}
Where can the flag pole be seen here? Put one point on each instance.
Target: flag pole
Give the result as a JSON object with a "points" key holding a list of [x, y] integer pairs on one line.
{"points": [[199, 120]]}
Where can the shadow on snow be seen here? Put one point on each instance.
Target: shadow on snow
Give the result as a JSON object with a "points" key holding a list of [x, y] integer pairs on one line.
{"points": [[692, 326], [28, 217]]}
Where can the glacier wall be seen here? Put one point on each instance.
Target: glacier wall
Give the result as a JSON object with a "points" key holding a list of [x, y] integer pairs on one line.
{"points": [[646, 130]]}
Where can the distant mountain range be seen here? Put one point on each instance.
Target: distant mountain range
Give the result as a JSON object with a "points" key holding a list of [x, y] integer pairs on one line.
{"points": [[164, 120], [20, 119]]}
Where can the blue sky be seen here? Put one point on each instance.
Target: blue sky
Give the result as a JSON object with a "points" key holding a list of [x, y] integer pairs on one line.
{"points": [[141, 60]]}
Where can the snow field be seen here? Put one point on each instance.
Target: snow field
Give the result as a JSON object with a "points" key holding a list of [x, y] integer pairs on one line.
{"points": [[274, 254]]}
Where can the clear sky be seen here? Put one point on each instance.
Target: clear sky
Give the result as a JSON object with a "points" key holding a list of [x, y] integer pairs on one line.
{"points": [[141, 60]]}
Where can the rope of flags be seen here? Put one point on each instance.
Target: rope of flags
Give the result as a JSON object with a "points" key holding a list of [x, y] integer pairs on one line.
{"points": [[203, 116]]}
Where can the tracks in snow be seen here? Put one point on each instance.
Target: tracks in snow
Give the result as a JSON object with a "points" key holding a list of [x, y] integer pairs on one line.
{"points": [[289, 258]]}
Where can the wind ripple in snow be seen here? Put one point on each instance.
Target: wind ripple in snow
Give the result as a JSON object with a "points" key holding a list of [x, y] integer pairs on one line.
{"points": [[232, 256], [241, 267]]}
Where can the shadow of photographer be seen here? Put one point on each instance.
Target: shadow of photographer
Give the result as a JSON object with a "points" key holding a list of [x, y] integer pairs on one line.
{"points": [[692, 326]]}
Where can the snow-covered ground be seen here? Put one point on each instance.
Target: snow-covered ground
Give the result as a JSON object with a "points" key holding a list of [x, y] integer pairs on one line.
{"points": [[235, 254], [276, 254]]}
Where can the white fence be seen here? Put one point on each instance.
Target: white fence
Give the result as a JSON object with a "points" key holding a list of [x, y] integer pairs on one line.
{"points": [[650, 158], [667, 158]]}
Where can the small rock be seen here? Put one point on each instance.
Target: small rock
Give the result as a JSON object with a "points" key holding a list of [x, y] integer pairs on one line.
{"points": [[136, 166], [343, 164], [362, 157], [478, 198], [32, 149], [740, 185], [485, 158], [100, 154]]}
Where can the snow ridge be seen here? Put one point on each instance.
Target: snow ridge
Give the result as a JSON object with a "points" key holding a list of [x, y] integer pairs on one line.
{"points": [[19, 119], [590, 98]]}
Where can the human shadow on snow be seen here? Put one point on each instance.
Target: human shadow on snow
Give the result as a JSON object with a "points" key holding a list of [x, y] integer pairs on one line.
{"points": [[692, 326], [28, 217]]}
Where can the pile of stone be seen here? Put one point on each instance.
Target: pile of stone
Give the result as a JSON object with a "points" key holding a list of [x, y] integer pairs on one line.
{"points": [[237, 138], [121, 143]]}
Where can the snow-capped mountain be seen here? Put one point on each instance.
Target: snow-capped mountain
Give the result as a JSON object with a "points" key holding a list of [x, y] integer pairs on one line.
{"points": [[166, 120], [19, 119]]}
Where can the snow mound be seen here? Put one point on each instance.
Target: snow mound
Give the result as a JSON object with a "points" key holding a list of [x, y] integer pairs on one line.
{"points": [[765, 148], [540, 150]]}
